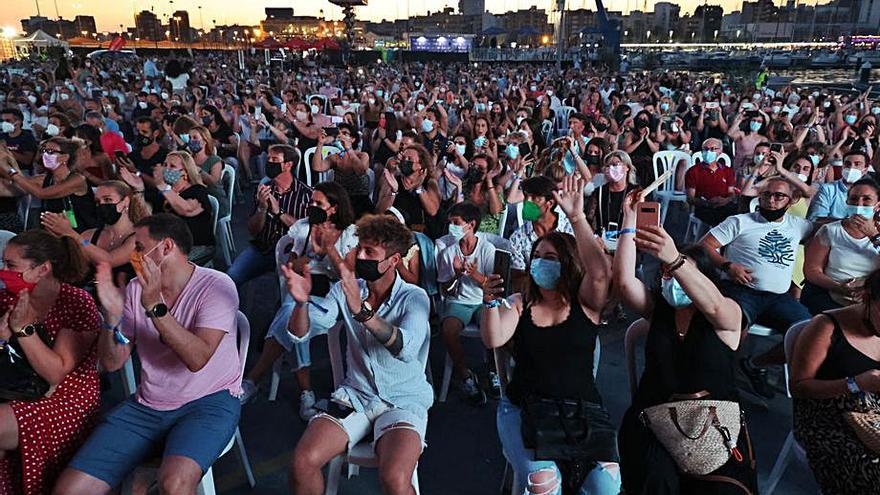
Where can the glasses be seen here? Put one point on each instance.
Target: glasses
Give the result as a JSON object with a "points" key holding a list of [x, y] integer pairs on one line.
{"points": [[776, 196]]}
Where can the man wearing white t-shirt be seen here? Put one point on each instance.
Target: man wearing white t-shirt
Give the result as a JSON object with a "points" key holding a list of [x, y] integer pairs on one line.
{"points": [[759, 257], [462, 268]]}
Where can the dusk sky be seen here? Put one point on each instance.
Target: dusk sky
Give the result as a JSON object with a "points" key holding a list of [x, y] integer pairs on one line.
{"points": [[110, 13]]}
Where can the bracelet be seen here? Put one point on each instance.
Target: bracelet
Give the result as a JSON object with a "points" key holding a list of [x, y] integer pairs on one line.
{"points": [[675, 265], [492, 304], [627, 231]]}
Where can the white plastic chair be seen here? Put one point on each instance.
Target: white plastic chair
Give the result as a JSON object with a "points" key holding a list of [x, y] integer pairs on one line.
{"points": [[281, 252], [361, 455], [307, 161], [791, 447], [636, 331], [562, 116], [325, 105], [547, 131], [25, 204], [470, 330], [666, 193], [223, 232], [206, 485]]}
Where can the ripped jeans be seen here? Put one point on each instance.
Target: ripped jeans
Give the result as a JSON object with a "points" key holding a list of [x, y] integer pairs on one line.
{"points": [[543, 477]]}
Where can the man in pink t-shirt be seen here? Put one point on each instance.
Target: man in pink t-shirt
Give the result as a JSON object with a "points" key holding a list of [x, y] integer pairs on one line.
{"points": [[182, 319]]}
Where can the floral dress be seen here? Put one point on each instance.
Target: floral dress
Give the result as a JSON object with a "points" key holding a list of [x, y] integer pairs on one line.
{"points": [[50, 430]]}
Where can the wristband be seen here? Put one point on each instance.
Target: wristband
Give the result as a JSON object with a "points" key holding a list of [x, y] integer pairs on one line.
{"points": [[117, 332], [627, 231], [84, 242], [492, 304]]}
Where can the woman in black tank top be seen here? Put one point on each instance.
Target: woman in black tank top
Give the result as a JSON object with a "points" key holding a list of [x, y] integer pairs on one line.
{"points": [[691, 347], [835, 369], [554, 328]]}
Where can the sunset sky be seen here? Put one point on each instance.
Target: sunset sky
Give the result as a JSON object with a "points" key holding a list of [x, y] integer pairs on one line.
{"points": [[110, 13]]}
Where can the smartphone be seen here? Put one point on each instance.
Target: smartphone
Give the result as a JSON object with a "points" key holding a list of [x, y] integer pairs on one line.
{"points": [[502, 267], [118, 154], [524, 149], [712, 105], [777, 147], [609, 237], [258, 113], [647, 213], [331, 131], [748, 106]]}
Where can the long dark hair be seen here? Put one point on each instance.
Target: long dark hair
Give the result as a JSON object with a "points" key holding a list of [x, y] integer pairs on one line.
{"points": [[572, 271], [337, 196]]}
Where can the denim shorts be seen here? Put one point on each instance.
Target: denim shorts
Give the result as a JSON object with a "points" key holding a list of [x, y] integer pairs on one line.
{"points": [[133, 432], [465, 313]]}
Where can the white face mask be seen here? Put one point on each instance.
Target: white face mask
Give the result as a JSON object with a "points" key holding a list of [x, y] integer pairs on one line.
{"points": [[142, 105], [802, 177], [64, 96], [315, 108], [52, 130], [300, 115], [851, 175], [6, 127], [371, 101], [165, 95]]}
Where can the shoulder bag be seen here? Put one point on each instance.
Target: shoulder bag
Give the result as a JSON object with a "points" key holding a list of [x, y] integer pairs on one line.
{"points": [[18, 380]]}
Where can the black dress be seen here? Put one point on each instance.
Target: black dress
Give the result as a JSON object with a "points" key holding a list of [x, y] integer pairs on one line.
{"points": [[83, 207], [701, 361]]}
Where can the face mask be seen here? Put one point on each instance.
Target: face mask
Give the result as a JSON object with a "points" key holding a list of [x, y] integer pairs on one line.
{"points": [[142, 105], [420, 107], [771, 215], [184, 138], [316, 215], [51, 161], [512, 151], [108, 214], [32, 99], [519, 120], [756, 96], [6, 127], [826, 104], [15, 282], [480, 141], [300, 115], [367, 270], [456, 231], [195, 146], [776, 109], [672, 292], [549, 92], [531, 211], [380, 93], [689, 100], [136, 259], [802, 177], [273, 169], [427, 125], [616, 173], [533, 88], [865, 211], [545, 273], [875, 110], [710, 156], [345, 103], [171, 177], [480, 107], [371, 101], [64, 96], [836, 163], [758, 158], [144, 140], [755, 126], [851, 175], [601, 126], [815, 159], [206, 120], [315, 108], [850, 119], [165, 95], [664, 107], [462, 148], [52, 130]]}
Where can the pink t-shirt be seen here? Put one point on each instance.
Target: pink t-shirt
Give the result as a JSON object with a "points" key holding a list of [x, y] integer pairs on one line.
{"points": [[209, 300]]}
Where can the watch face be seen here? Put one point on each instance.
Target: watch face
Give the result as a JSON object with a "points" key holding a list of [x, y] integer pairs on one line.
{"points": [[159, 310]]}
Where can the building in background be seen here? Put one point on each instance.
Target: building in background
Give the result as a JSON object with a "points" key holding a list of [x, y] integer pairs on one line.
{"points": [[85, 24], [179, 26], [147, 26], [471, 7]]}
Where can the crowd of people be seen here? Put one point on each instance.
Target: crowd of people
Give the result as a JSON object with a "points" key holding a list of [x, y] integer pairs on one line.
{"points": [[394, 196]]}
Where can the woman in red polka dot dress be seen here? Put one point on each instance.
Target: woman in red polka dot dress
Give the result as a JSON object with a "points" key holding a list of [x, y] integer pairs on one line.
{"points": [[38, 438]]}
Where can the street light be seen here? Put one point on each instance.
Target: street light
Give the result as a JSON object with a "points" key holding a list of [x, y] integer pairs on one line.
{"points": [[648, 35], [670, 35]]}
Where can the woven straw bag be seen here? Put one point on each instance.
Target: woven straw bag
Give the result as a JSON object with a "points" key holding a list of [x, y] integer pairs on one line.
{"points": [[701, 435], [867, 428]]}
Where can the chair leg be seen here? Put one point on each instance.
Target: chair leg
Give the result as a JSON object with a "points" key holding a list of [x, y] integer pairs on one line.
{"points": [[664, 209], [231, 237], [206, 485], [334, 472], [245, 461], [447, 378], [504, 478], [415, 480], [276, 379], [782, 461]]}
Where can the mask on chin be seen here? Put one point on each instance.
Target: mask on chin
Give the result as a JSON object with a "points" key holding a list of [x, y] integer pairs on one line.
{"points": [[771, 215]]}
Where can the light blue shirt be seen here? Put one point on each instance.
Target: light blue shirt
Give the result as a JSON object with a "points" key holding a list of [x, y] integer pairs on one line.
{"points": [[373, 375], [829, 201]]}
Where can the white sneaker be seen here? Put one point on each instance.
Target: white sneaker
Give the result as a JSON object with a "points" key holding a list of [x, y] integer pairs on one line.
{"points": [[248, 391], [307, 405]]}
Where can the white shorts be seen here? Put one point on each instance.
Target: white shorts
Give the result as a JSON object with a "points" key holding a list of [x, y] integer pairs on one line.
{"points": [[357, 424]]}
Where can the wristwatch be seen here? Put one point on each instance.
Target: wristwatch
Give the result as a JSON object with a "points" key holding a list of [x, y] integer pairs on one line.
{"points": [[419, 190], [365, 314], [157, 311], [28, 330], [726, 265], [852, 386]]}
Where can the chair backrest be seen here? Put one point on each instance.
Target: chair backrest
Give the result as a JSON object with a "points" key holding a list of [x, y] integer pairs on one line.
{"points": [[502, 220], [227, 178], [325, 102], [427, 264], [547, 131], [634, 333], [244, 340], [281, 252], [307, 161], [5, 235], [215, 211], [334, 349], [753, 205], [24, 209], [562, 116], [669, 160], [791, 337], [496, 240]]}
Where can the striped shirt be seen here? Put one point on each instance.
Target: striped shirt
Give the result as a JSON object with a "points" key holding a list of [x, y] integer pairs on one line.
{"points": [[294, 202]]}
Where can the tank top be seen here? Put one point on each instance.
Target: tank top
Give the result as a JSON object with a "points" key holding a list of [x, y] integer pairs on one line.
{"points": [[84, 209], [554, 361], [127, 268], [843, 359], [700, 361]]}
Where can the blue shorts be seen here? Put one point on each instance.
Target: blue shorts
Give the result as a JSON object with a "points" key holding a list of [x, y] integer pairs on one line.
{"points": [[132, 432], [465, 313]]}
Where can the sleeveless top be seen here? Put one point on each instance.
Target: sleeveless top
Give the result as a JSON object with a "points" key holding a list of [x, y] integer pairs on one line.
{"points": [[84, 209], [554, 361], [127, 269], [701, 361], [843, 359]]}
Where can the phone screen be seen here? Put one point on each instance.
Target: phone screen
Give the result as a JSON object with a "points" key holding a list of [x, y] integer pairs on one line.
{"points": [[331, 131], [258, 113], [502, 267]]}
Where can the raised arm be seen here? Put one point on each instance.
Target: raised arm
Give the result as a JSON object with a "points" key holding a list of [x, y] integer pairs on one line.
{"points": [[630, 289]]}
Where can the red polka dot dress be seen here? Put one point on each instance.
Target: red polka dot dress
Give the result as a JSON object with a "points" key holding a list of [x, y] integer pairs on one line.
{"points": [[50, 430]]}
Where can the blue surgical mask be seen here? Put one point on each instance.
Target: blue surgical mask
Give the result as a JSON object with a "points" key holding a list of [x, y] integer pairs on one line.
{"points": [[569, 163], [512, 151], [710, 156], [674, 294], [427, 125], [456, 231], [545, 273], [462, 148], [664, 106], [480, 141], [815, 159], [850, 119], [759, 158], [184, 138], [171, 176], [865, 211], [755, 126]]}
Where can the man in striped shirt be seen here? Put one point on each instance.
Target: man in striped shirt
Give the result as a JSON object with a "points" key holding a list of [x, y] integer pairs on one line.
{"points": [[280, 200]]}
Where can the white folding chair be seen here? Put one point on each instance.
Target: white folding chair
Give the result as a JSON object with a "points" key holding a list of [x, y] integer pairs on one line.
{"points": [[307, 161], [547, 131], [206, 485], [361, 455], [667, 192], [281, 252], [791, 447], [562, 116], [636, 331], [325, 102], [223, 232]]}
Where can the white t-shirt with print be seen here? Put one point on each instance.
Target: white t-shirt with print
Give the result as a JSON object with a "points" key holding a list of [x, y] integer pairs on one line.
{"points": [[768, 249], [469, 291], [848, 257]]}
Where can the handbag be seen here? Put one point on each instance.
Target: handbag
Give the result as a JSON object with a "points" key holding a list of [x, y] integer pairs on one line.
{"points": [[18, 380], [700, 434], [866, 427], [556, 429]]}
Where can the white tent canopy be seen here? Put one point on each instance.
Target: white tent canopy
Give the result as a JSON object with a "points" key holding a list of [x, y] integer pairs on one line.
{"points": [[40, 39]]}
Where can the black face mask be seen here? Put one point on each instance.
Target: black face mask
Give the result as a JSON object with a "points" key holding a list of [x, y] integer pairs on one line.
{"points": [[145, 140], [206, 120], [406, 167], [473, 175], [273, 169], [367, 270], [601, 126], [592, 159], [641, 123], [771, 215], [108, 214], [316, 215]]}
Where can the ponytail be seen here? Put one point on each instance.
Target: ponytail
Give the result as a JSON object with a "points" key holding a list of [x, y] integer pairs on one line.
{"points": [[69, 263], [72, 265]]}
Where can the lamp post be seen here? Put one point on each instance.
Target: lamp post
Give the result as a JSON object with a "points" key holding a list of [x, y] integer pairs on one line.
{"points": [[670, 35]]}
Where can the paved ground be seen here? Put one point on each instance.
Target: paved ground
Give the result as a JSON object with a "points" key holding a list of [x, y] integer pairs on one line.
{"points": [[463, 455]]}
